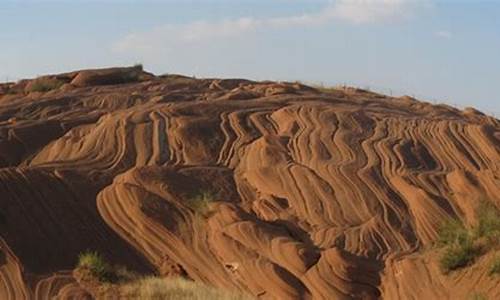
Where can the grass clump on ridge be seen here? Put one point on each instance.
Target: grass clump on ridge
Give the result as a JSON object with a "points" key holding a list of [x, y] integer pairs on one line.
{"points": [[463, 245], [176, 289], [96, 264]]}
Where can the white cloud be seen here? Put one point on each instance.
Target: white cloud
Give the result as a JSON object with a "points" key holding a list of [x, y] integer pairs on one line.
{"points": [[198, 31], [366, 11], [351, 11], [444, 34]]}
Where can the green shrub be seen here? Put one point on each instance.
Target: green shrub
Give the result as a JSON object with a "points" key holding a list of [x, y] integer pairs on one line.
{"points": [[458, 241], [458, 256], [463, 245], [95, 263], [488, 224], [453, 232], [495, 266]]}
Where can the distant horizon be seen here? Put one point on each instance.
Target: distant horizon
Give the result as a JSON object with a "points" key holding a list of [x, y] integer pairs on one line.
{"points": [[433, 50]]}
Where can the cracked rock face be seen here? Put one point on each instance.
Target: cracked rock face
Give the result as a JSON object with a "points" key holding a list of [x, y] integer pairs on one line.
{"points": [[277, 189]]}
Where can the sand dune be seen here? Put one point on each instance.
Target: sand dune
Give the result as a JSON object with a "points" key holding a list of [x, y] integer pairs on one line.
{"points": [[307, 193]]}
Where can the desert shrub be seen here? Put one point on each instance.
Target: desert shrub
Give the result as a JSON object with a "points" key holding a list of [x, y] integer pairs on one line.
{"points": [[458, 241], [453, 232], [44, 85], [460, 249], [495, 266], [178, 289], [199, 202], [463, 245], [488, 224], [458, 256], [96, 264]]}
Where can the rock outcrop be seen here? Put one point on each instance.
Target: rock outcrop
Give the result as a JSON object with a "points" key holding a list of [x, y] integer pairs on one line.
{"points": [[278, 189]]}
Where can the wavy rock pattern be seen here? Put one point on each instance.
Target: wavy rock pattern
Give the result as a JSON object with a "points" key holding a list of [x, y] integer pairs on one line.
{"points": [[313, 195]]}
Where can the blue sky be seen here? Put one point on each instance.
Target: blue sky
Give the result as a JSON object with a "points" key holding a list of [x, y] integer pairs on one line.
{"points": [[443, 51]]}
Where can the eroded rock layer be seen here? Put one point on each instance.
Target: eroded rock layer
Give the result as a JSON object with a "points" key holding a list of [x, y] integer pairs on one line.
{"points": [[277, 189]]}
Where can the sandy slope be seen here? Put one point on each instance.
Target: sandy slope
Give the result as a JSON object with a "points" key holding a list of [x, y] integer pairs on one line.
{"points": [[315, 194]]}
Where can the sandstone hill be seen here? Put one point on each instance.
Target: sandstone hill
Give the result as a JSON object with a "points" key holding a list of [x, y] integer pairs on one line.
{"points": [[278, 189]]}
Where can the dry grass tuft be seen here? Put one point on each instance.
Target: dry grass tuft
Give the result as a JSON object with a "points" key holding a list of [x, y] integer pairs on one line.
{"points": [[96, 264], [176, 289]]}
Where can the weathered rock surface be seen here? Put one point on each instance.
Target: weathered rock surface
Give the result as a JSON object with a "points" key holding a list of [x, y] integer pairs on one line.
{"points": [[311, 194]]}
